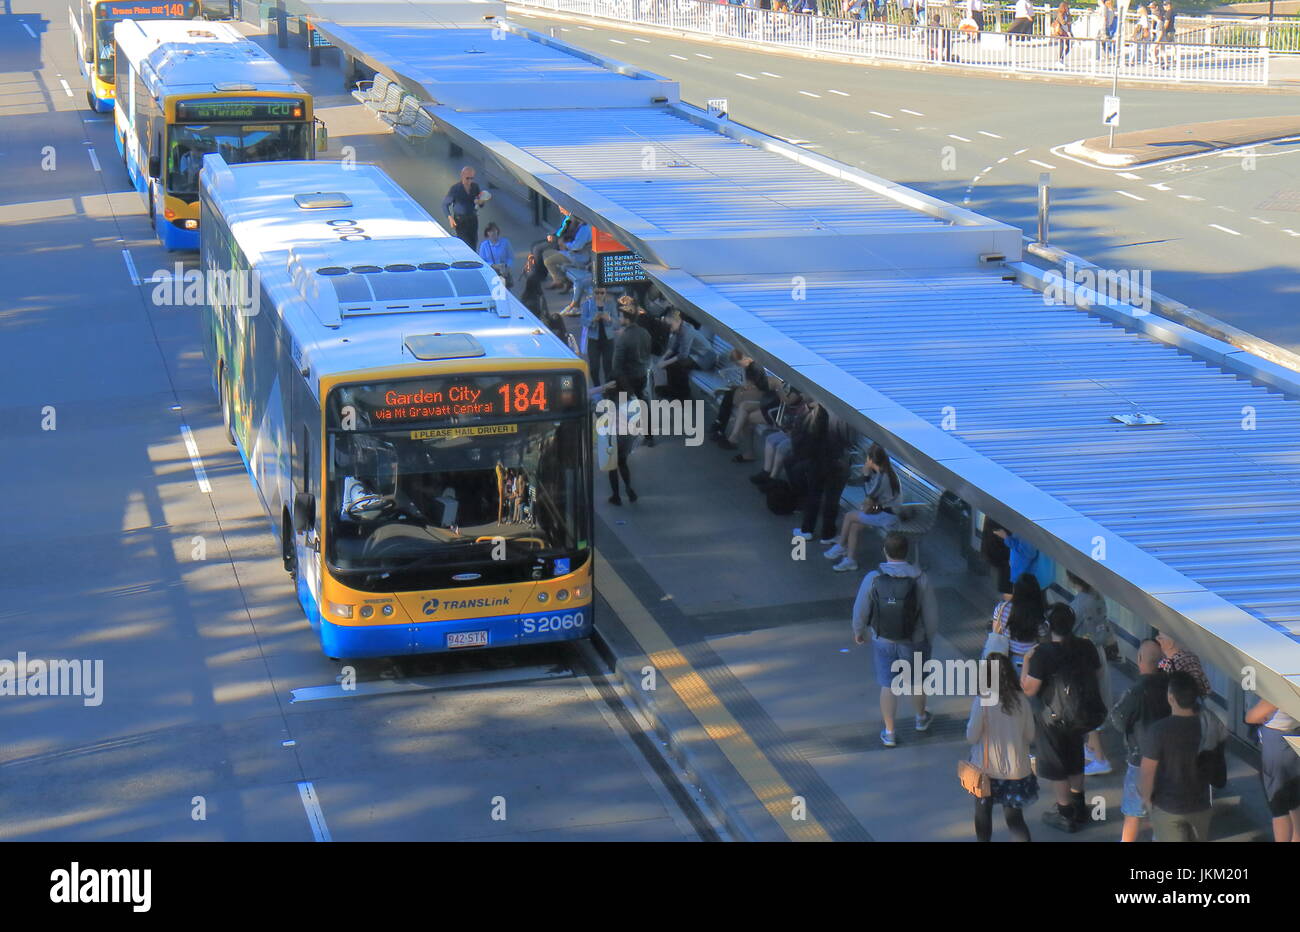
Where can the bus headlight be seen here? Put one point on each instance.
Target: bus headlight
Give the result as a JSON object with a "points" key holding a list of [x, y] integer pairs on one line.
{"points": [[341, 611], [191, 224], [562, 595], [386, 610], [367, 611], [543, 597]]}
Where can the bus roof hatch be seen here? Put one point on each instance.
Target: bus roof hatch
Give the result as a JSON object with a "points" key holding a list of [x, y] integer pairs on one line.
{"points": [[430, 346]]}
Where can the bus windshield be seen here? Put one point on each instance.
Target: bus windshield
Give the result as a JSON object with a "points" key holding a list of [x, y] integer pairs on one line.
{"points": [[105, 51], [234, 142], [468, 506]]}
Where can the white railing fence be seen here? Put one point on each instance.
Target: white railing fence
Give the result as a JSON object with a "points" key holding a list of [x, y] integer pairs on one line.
{"points": [[1088, 57]]}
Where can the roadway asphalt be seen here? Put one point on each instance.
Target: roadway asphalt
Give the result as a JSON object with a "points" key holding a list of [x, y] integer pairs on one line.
{"points": [[1220, 233], [113, 551]]}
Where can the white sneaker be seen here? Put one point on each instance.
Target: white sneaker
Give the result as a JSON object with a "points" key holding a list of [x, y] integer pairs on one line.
{"points": [[834, 553], [1095, 768], [847, 565], [828, 541], [800, 532]]}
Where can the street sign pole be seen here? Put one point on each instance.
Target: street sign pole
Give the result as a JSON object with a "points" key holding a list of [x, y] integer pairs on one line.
{"points": [[1119, 54]]}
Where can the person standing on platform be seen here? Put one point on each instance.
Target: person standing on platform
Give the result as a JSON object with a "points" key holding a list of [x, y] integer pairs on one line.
{"points": [[1175, 782], [1279, 768], [461, 207], [598, 335], [1145, 703]]}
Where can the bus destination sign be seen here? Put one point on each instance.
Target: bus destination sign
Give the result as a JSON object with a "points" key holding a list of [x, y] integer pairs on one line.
{"points": [[619, 268], [136, 10], [453, 400], [241, 110]]}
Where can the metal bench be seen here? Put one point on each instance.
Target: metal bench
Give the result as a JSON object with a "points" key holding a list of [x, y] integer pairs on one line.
{"points": [[372, 93], [918, 507], [391, 103], [412, 122]]}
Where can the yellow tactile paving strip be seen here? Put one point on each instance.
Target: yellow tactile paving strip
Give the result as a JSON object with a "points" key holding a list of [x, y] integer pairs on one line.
{"points": [[717, 721]]}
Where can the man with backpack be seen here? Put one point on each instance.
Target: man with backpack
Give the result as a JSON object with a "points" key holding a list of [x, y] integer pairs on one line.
{"points": [[897, 603], [1065, 675], [1182, 757]]}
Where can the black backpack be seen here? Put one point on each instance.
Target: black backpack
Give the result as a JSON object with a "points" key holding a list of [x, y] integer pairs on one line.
{"points": [[780, 497], [895, 608], [1074, 697]]}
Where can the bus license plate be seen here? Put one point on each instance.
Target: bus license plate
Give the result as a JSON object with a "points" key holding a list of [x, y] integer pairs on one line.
{"points": [[467, 639]]}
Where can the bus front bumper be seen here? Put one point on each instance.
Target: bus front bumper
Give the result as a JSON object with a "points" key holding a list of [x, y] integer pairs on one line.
{"points": [[432, 637]]}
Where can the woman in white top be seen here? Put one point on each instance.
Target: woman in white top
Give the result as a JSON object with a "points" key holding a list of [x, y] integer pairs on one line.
{"points": [[999, 734], [1279, 769]]}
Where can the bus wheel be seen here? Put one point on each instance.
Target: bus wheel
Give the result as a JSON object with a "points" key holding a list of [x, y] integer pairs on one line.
{"points": [[225, 407], [149, 198], [287, 552], [90, 101]]}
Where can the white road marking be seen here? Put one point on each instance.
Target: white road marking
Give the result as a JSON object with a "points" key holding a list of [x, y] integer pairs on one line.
{"points": [[29, 30], [831, 90], [1019, 151], [66, 89], [750, 77], [1259, 220], [913, 112], [1190, 197], [958, 138], [809, 94], [678, 57], [990, 135], [1003, 159], [1043, 164], [1292, 232], [1130, 176], [130, 267], [986, 169], [319, 830], [195, 460], [588, 28], [702, 55], [1224, 229], [618, 41], [637, 39], [883, 116], [1160, 186], [94, 160], [769, 74], [1133, 196]]}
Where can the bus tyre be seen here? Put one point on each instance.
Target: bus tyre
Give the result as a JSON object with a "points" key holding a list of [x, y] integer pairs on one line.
{"points": [[225, 408], [90, 101], [287, 551]]}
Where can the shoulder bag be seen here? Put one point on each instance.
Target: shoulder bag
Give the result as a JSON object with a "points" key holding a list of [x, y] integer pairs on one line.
{"points": [[998, 641]]}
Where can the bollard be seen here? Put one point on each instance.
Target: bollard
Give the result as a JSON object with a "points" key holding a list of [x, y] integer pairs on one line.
{"points": [[1044, 203], [281, 25]]}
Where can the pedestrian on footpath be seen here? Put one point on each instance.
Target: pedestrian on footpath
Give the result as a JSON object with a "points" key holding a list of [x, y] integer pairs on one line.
{"points": [[1064, 675], [823, 475], [461, 205], [1020, 620], [631, 412], [631, 350], [995, 551], [1022, 555], [1062, 28], [1023, 24], [898, 606], [1107, 23], [598, 335], [1279, 769], [1142, 705], [497, 252], [999, 735], [1176, 777], [1091, 623]]}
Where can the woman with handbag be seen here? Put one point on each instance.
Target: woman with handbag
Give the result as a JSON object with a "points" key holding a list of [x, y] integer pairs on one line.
{"points": [[1062, 28], [1000, 729]]}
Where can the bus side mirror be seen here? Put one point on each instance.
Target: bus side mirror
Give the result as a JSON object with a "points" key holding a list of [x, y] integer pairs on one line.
{"points": [[322, 136], [304, 511], [155, 166]]}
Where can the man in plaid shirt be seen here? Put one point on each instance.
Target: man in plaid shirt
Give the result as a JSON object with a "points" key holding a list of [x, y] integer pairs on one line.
{"points": [[1178, 657]]}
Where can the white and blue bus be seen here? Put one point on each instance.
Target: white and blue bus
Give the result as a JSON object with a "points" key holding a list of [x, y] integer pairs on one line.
{"points": [[93, 23], [420, 441], [189, 89]]}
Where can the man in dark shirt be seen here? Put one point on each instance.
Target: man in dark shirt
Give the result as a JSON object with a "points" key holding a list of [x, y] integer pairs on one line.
{"points": [[1142, 705], [632, 350], [1060, 748], [1177, 793], [677, 361], [461, 207]]}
